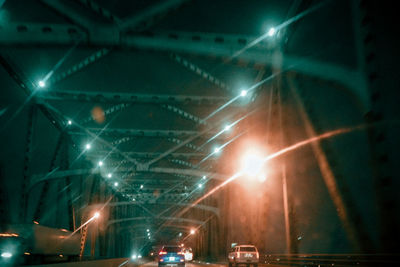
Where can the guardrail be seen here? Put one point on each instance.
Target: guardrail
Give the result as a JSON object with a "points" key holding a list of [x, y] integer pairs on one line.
{"points": [[331, 259]]}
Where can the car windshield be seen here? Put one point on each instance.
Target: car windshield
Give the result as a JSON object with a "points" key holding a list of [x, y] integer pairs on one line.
{"points": [[247, 249], [172, 249]]}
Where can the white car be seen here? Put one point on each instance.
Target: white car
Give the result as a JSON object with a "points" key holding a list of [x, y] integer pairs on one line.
{"points": [[243, 254], [188, 254]]}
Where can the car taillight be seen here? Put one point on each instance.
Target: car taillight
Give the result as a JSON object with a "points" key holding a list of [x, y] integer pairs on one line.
{"points": [[162, 253], [258, 255], [237, 255]]}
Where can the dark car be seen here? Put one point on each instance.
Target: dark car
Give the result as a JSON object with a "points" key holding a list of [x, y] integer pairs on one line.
{"points": [[171, 256]]}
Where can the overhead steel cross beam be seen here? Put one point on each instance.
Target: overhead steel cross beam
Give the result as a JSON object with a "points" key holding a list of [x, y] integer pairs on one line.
{"points": [[38, 178], [206, 44], [111, 97], [141, 132], [146, 17], [150, 155], [212, 209]]}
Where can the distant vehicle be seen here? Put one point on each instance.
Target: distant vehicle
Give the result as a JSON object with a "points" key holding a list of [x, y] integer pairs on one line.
{"points": [[243, 254], [171, 256], [188, 254]]}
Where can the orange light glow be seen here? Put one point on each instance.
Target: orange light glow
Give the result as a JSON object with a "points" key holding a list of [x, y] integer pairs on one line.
{"points": [[192, 231], [27, 253], [8, 235], [35, 222], [64, 230]]}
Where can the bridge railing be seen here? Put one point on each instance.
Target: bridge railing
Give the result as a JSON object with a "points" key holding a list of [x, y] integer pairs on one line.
{"points": [[331, 259]]}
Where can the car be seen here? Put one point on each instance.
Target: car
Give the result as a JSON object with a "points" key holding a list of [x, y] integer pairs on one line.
{"points": [[243, 254], [188, 254], [171, 256]]}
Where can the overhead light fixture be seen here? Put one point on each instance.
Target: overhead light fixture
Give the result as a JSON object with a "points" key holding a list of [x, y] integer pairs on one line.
{"points": [[41, 84], [116, 184], [88, 146], [100, 163], [69, 122], [6, 254], [271, 31]]}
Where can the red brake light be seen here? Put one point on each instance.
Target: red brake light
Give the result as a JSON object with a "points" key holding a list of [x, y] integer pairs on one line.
{"points": [[162, 253]]}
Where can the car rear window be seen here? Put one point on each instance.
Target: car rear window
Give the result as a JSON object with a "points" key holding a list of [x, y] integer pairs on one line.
{"points": [[172, 249], [247, 249]]}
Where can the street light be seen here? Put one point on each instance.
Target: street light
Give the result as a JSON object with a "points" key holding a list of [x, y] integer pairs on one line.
{"points": [[88, 146], [252, 163], [243, 93], [96, 215], [192, 231], [271, 31], [41, 84]]}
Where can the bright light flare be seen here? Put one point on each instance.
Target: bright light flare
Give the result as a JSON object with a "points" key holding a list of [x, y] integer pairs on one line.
{"points": [[109, 175], [69, 122], [271, 31], [192, 231], [100, 163], [243, 93], [227, 127], [6, 254], [217, 149], [96, 215], [41, 84], [134, 257], [88, 146], [116, 184], [252, 163]]}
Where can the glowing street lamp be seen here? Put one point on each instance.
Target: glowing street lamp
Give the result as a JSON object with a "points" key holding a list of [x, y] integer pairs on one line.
{"points": [[88, 146], [100, 163], [192, 231], [271, 31], [41, 84], [243, 93], [252, 164], [96, 215]]}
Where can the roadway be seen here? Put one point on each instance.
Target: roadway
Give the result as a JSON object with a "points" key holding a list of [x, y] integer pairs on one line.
{"points": [[120, 262]]}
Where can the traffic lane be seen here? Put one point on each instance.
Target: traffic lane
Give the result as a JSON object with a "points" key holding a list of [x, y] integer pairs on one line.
{"points": [[187, 264], [206, 264]]}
